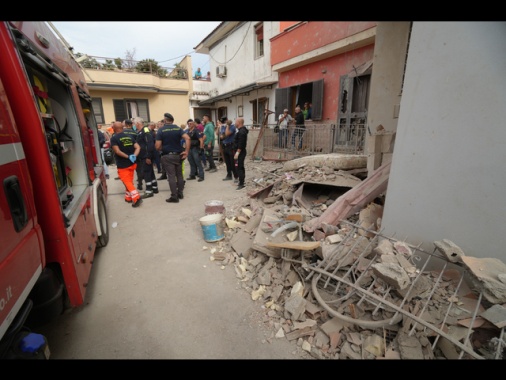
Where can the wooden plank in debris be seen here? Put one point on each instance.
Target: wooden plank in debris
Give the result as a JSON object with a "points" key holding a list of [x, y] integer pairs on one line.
{"points": [[353, 200], [296, 245]]}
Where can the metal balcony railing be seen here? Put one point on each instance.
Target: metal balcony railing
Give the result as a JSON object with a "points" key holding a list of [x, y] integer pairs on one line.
{"points": [[315, 139], [133, 66]]}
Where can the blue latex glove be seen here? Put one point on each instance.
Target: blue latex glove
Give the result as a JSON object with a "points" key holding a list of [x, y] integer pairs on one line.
{"points": [[132, 157]]}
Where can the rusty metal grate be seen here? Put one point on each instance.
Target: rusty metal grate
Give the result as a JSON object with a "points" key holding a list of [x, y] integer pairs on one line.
{"points": [[344, 284]]}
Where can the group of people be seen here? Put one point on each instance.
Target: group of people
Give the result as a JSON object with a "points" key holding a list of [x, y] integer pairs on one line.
{"points": [[284, 121], [198, 75], [136, 149]]}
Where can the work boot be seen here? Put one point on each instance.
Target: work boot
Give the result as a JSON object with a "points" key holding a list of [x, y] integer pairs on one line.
{"points": [[172, 200], [156, 191], [147, 195], [180, 195], [200, 179], [137, 203]]}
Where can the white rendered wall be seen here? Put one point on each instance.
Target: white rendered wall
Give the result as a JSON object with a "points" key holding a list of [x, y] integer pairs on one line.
{"points": [[448, 174]]}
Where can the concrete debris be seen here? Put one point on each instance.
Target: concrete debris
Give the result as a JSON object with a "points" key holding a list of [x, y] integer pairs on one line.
{"points": [[451, 250], [341, 290]]}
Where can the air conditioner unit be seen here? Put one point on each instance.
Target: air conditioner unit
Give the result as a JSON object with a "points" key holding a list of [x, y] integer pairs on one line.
{"points": [[221, 71]]}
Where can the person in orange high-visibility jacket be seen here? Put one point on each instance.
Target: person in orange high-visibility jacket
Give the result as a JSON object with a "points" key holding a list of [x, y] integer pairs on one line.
{"points": [[126, 151]]}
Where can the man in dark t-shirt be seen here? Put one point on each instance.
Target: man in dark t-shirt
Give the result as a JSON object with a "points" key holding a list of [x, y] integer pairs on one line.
{"points": [[168, 142], [126, 151]]}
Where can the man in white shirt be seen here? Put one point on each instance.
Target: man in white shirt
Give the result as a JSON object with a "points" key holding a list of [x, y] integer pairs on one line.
{"points": [[284, 120]]}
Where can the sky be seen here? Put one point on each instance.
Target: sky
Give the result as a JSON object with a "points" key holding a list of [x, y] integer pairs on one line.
{"points": [[167, 42]]}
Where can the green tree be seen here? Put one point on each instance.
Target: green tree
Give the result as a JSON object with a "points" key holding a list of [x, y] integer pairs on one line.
{"points": [[109, 65], [119, 63], [150, 66]]}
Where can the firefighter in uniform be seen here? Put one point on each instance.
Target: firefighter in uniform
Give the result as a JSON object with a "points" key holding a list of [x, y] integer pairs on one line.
{"points": [[168, 142], [145, 159], [126, 151]]}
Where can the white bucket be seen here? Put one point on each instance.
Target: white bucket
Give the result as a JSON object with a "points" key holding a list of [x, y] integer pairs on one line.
{"points": [[214, 207], [212, 227]]}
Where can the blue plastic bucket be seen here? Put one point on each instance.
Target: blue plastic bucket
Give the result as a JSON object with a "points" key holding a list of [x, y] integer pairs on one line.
{"points": [[212, 227]]}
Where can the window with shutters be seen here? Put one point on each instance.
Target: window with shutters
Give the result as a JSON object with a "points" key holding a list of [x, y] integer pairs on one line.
{"points": [[290, 97], [258, 107], [129, 108], [259, 40], [98, 110]]}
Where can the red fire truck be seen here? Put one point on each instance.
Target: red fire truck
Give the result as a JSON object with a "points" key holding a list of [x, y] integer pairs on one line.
{"points": [[53, 201]]}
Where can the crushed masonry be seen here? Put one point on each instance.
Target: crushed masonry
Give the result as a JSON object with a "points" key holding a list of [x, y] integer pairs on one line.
{"points": [[343, 290]]}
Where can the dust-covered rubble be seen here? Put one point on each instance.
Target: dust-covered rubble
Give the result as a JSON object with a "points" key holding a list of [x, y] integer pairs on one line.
{"points": [[345, 291]]}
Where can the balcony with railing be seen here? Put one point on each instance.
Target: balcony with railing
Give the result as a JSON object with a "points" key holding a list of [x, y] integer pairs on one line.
{"points": [[314, 139], [129, 75]]}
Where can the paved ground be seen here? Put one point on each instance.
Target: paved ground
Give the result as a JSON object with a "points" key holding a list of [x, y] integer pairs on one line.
{"points": [[155, 294]]}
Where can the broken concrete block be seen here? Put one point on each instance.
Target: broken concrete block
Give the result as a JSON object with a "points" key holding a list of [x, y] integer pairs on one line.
{"points": [[374, 344], [241, 243], [264, 277], [485, 276], [231, 223], [329, 229], [291, 236], [307, 323], [256, 294], [318, 235], [295, 306], [253, 222], [452, 251], [409, 347], [368, 217], [333, 239], [392, 274], [404, 263], [298, 288], [348, 353], [403, 248], [384, 247], [496, 315]]}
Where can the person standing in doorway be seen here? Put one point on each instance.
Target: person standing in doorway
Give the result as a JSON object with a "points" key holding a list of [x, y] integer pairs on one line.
{"points": [[126, 151], [168, 141], [300, 128], [240, 142], [209, 138]]}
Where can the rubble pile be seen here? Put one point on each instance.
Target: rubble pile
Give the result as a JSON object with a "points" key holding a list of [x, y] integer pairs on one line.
{"points": [[345, 291]]}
